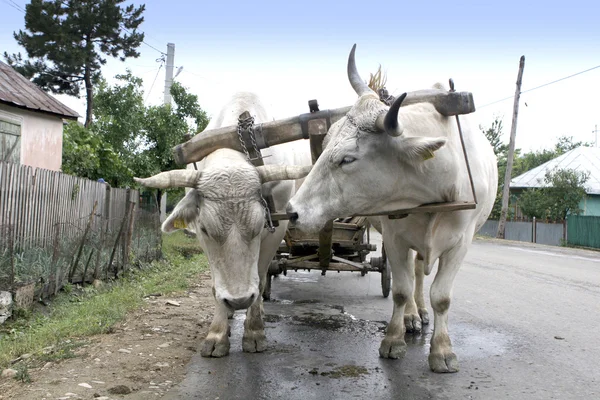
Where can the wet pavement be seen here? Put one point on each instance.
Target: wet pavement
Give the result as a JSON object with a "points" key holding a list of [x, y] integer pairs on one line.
{"points": [[523, 324]]}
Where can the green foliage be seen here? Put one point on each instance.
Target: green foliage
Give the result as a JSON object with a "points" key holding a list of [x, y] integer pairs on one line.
{"points": [[66, 41], [47, 335], [186, 107], [127, 138], [532, 202], [120, 112], [563, 191], [23, 374], [87, 155]]}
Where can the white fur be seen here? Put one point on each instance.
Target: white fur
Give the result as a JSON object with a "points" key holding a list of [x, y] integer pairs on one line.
{"points": [[391, 173], [225, 204]]}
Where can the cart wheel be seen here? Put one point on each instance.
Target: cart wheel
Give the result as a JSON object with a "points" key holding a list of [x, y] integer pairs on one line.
{"points": [[363, 272], [267, 291], [386, 279]]}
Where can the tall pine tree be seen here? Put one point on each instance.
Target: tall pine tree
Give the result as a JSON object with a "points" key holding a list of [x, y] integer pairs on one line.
{"points": [[65, 41]]}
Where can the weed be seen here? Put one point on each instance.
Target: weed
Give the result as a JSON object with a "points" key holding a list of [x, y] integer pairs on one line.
{"points": [[84, 312], [23, 374]]}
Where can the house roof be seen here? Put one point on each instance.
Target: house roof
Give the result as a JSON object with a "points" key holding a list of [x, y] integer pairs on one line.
{"points": [[18, 91], [584, 159]]}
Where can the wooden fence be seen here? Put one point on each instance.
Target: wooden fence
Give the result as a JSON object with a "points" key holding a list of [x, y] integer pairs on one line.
{"points": [[57, 228]]}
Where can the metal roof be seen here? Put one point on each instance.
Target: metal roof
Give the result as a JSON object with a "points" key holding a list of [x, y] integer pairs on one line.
{"points": [[585, 159], [16, 90]]}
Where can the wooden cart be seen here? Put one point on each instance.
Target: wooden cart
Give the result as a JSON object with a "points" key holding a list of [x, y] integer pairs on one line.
{"points": [[342, 246]]}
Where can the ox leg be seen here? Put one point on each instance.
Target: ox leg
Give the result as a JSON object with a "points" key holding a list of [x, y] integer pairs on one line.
{"points": [[419, 291], [441, 356], [254, 339], [216, 343], [412, 319], [393, 345]]}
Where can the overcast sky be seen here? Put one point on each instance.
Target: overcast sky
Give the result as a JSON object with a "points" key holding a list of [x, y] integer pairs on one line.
{"points": [[290, 52]]}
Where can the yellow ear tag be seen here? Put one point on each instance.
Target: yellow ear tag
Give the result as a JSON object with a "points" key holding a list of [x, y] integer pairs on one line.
{"points": [[427, 154], [179, 224]]}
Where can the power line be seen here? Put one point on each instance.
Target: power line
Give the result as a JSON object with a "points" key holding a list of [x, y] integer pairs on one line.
{"points": [[153, 82], [149, 45], [14, 5], [541, 86]]}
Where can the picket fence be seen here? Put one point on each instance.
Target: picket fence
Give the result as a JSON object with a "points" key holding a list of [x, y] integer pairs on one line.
{"points": [[56, 228]]}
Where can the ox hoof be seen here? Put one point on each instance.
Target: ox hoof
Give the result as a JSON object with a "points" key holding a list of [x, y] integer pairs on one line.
{"points": [[424, 314], [256, 343], [412, 322], [212, 348], [443, 363], [392, 348], [230, 313]]}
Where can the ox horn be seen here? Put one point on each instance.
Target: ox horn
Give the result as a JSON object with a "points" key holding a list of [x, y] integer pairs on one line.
{"points": [[359, 86], [270, 173], [172, 179], [389, 122]]}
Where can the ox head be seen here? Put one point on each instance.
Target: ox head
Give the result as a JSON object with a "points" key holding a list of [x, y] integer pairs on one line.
{"points": [[371, 163], [225, 210]]}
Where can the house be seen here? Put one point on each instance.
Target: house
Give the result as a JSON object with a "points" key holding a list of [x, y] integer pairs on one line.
{"points": [[584, 159], [31, 122]]}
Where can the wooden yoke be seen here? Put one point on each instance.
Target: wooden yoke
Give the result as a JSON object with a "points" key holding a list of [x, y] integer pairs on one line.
{"points": [[447, 103]]}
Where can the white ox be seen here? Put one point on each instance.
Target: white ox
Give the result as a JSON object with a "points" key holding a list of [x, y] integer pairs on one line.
{"points": [[225, 209], [364, 170]]}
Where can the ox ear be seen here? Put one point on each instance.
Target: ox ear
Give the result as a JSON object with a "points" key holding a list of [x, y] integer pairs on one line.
{"points": [[418, 149], [184, 213]]}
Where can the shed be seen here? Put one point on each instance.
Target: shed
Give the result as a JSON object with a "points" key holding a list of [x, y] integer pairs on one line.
{"points": [[31, 122]]}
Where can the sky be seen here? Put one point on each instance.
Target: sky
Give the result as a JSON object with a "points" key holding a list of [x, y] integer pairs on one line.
{"points": [[289, 52]]}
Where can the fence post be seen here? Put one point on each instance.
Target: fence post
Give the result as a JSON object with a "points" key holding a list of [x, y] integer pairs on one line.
{"points": [[80, 250], [104, 221], [114, 250], [11, 252], [125, 235], [130, 228], [534, 233], [55, 253], [565, 230]]}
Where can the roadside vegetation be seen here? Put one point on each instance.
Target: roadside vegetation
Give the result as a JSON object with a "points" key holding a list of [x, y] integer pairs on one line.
{"points": [[52, 332]]}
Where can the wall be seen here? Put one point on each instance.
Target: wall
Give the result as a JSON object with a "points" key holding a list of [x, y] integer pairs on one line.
{"points": [[41, 137], [590, 205]]}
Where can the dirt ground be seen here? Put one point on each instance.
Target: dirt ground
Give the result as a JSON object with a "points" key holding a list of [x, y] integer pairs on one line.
{"points": [[142, 358]]}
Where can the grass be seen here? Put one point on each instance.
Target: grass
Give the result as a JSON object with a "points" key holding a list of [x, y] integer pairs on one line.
{"points": [[87, 311]]}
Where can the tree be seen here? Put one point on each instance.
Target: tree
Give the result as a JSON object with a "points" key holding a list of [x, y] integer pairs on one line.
{"points": [[563, 191], [531, 201], [120, 113], [128, 139], [494, 136], [66, 40], [87, 155]]}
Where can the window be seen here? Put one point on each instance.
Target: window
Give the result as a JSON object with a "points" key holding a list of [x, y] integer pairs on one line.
{"points": [[10, 142]]}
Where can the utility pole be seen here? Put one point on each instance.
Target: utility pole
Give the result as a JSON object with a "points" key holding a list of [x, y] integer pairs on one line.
{"points": [[595, 132], [169, 72], [162, 196], [511, 153]]}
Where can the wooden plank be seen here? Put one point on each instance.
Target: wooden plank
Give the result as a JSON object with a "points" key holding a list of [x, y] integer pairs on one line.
{"points": [[425, 208], [333, 266]]}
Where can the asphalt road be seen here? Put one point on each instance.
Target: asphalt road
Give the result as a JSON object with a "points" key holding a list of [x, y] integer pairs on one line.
{"points": [[524, 323]]}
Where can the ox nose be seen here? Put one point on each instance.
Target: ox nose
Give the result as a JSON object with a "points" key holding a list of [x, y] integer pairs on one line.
{"points": [[292, 215], [239, 303]]}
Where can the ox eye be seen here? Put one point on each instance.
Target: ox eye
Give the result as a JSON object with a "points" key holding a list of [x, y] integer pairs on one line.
{"points": [[203, 229], [347, 160]]}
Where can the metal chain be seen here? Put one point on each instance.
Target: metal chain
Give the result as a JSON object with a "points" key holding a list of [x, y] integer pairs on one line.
{"points": [[247, 124], [243, 125]]}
